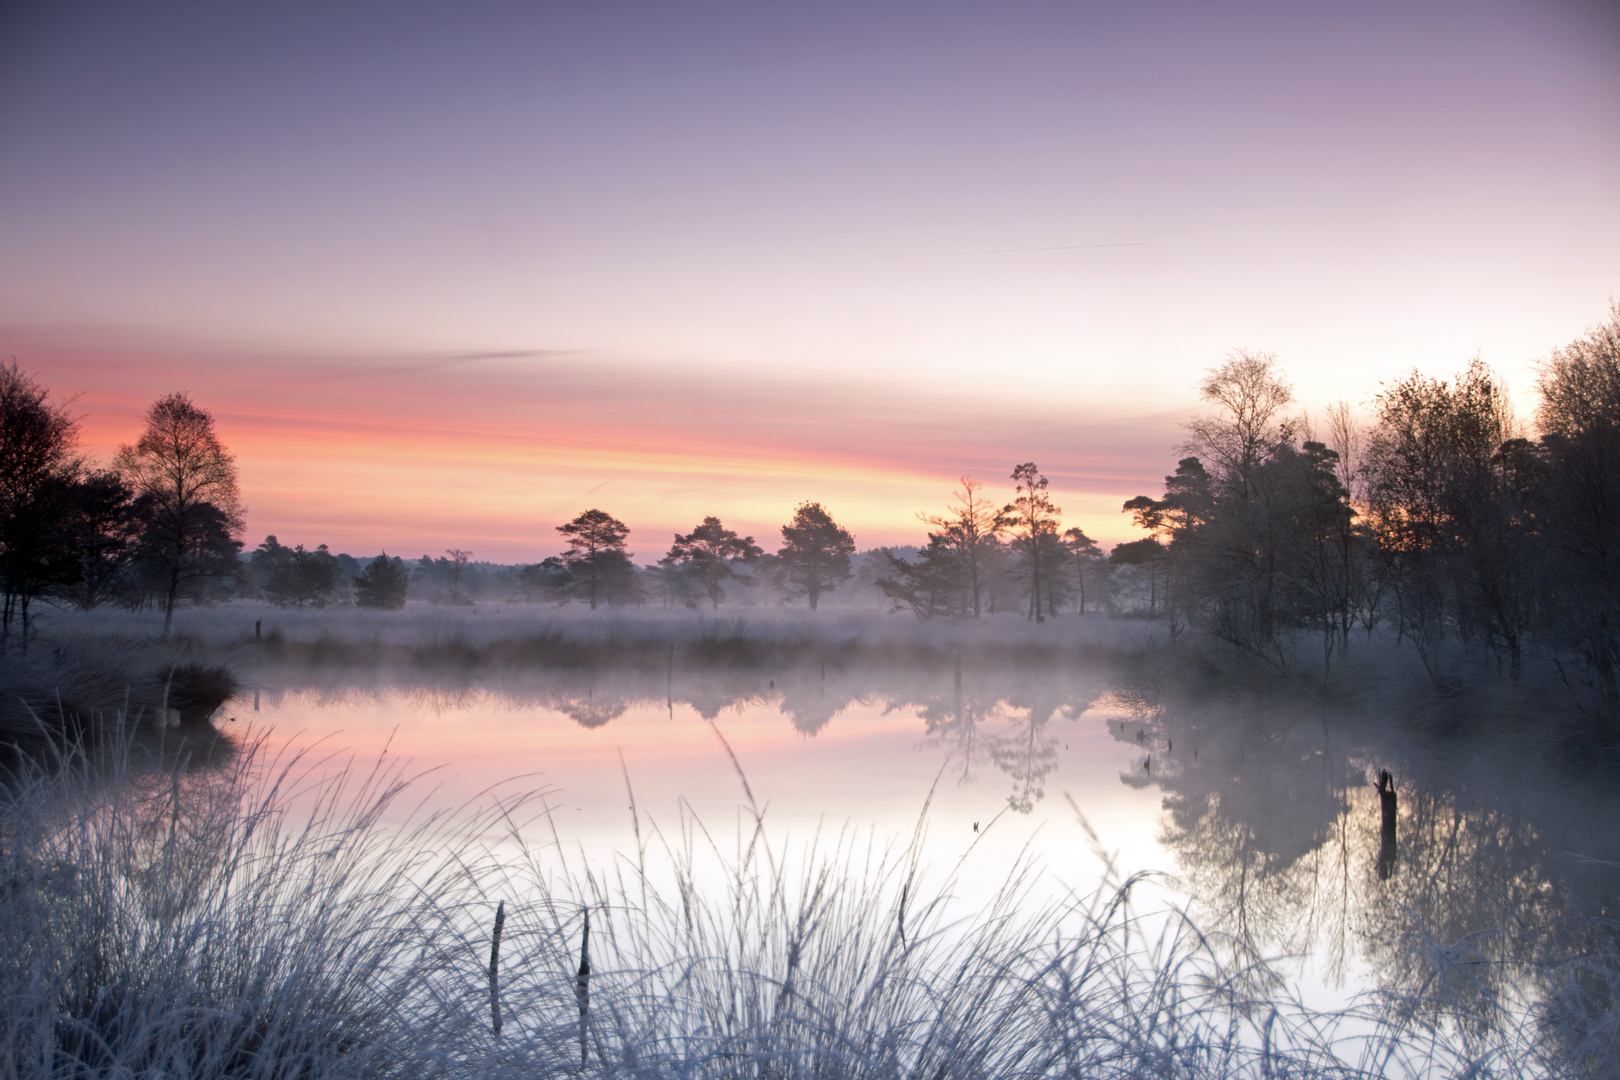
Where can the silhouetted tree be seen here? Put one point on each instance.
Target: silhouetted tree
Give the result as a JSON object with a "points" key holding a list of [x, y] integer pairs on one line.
{"points": [[815, 554], [1176, 523], [1314, 529], [1450, 511], [1233, 551], [1087, 554], [1031, 518], [935, 586], [708, 555], [598, 561], [293, 577], [456, 564], [211, 570], [384, 583], [1148, 554], [1440, 517], [768, 571], [549, 580], [37, 477], [104, 528], [187, 483], [1250, 391], [1579, 502], [1057, 581], [449, 579]]}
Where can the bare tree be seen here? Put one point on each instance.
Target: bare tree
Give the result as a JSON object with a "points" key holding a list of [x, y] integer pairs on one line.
{"points": [[969, 529], [1251, 392], [1345, 439], [1239, 550], [187, 480]]}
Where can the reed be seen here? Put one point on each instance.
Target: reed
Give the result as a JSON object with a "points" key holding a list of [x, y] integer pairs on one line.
{"points": [[284, 916]]}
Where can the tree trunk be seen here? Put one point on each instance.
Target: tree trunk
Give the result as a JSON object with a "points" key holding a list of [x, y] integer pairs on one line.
{"points": [[173, 593], [1035, 582]]}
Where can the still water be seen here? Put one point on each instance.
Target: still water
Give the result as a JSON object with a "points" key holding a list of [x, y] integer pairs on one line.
{"points": [[1266, 826]]}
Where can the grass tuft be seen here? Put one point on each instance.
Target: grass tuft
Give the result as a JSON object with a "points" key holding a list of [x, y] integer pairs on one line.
{"points": [[281, 916]]}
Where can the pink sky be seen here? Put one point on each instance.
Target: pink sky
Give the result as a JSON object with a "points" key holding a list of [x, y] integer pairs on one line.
{"points": [[490, 453], [448, 274]]}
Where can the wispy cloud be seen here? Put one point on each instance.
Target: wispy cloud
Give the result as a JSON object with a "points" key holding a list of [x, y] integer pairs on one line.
{"points": [[495, 453]]}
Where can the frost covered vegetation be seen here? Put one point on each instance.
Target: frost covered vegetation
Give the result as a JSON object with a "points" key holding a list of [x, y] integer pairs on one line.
{"points": [[275, 919], [1435, 567]]}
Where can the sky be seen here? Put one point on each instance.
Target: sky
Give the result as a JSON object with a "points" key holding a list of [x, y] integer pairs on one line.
{"points": [[448, 274]]}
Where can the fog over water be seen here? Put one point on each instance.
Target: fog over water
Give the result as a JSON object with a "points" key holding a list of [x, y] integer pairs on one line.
{"points": [[1263, 822]]}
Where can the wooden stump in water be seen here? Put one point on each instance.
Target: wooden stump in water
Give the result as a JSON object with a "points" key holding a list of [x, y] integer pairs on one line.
{"points": [[1387, 851], [582, 988], [495, 969]]}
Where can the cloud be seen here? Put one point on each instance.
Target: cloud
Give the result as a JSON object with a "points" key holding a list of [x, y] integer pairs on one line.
{"points": [[495, 447]]}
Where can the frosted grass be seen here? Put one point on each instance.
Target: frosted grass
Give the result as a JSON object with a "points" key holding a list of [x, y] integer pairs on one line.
{"points": [[260, 921]]}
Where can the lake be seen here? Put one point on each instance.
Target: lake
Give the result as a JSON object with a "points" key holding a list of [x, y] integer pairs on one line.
{"points": [[1263, 824]]}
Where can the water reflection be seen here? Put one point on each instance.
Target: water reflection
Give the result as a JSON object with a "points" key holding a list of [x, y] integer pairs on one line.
{"points": [[1385, 864], [1003, 719], [1408, 866]]}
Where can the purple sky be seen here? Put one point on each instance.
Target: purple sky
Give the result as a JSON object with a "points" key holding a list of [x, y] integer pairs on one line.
{"points": [[710, 202]]}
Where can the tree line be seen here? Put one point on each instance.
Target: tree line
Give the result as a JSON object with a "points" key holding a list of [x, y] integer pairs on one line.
{"points": [[596, 569], [154, 529], [160, 527], [1442, 519], [981, 558]]}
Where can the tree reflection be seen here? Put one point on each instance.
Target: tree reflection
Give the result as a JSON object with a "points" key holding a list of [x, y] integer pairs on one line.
{"points": [[1004, 717], [1256, 821], [957, 723], [592, 711], [1285, 839], [810, 705], [1027, 752]]}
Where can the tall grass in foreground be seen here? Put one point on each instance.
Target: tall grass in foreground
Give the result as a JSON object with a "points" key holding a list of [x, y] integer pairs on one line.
{"points": [[278, 920]]}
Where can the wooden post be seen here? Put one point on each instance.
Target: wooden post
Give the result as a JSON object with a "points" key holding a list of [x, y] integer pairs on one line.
{"points": [[582, 986], [495, 970], [1387, 806]]}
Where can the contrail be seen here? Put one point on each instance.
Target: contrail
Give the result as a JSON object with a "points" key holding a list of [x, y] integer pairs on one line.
{"points": [[999, 251]]}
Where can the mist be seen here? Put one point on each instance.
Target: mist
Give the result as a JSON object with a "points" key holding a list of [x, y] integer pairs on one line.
{"points": [[734, 541]]}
